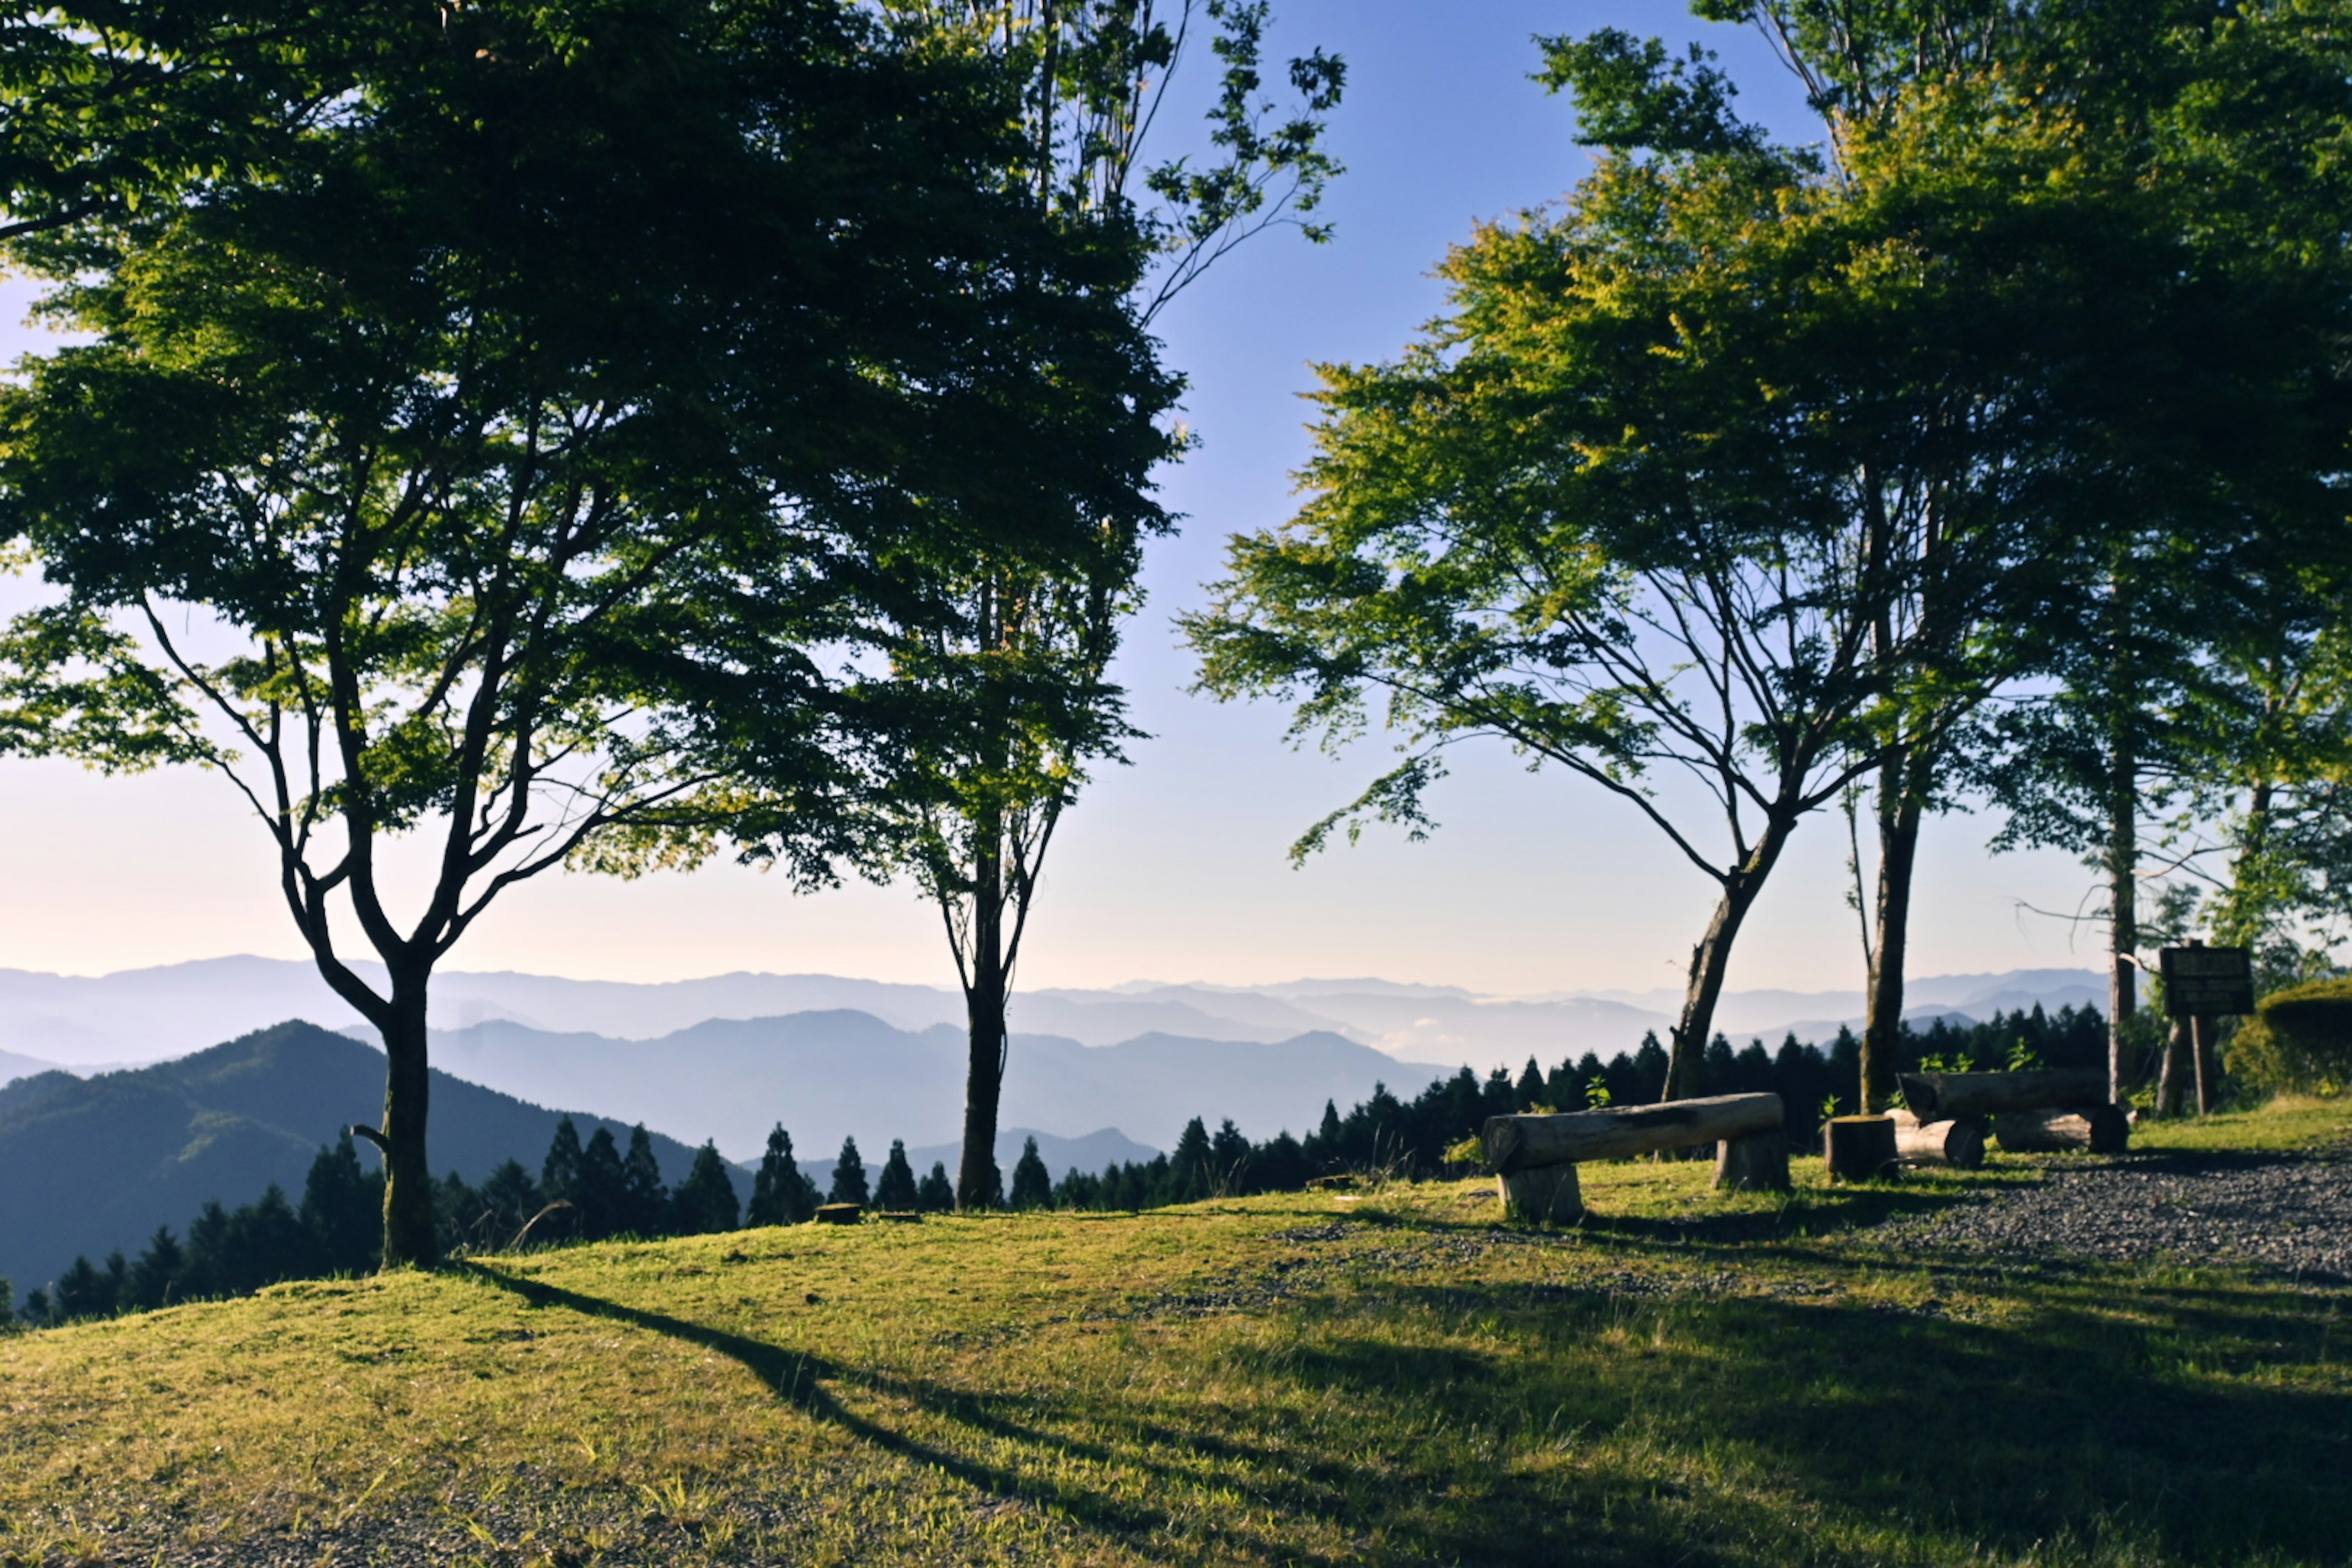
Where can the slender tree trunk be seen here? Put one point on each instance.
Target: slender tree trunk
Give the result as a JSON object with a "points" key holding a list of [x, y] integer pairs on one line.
{"points": [[1902, 792], [2209, 1071], [2123, 912], [1711, 959], [984, 1002], [2178, 1070], [408, 1231]]}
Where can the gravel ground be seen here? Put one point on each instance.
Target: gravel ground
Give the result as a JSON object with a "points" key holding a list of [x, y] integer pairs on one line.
{"points": [[2288, 1213]]}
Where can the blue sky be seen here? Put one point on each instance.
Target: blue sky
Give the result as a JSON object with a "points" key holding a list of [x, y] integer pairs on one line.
{"points": [[1173, 868]]}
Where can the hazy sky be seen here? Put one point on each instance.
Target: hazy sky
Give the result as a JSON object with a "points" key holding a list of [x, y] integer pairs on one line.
{"points": [[1171, 869]]}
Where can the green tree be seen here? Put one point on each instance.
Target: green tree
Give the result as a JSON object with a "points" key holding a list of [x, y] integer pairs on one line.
{"points": [[1013, 693], [156, 1277], [645, 1202], [343, 1208], [1032, 1185], [848, 1176], [705, 1202], [896, 1191], [780, 1194], [496, 399], [936, 1194]]}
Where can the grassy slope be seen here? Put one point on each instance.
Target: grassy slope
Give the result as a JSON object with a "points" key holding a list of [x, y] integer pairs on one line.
{"points": [[1693, 1379]]}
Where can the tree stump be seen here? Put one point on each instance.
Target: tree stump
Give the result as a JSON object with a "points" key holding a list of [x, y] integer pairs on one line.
{"points": [[1753, 1163], [1959, 1144], [1542, 1195], [2095, 1129], [839, 1214], [1860, 1148]]}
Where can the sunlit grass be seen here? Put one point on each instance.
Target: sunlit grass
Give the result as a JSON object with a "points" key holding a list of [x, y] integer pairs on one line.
{"points": [[1383, 1376]]}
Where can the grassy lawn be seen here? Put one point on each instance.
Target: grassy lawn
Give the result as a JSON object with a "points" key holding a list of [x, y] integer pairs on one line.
{"points": [[1375, 1378]]}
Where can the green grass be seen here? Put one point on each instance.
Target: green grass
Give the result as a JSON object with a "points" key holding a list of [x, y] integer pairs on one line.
{"points": [[1386, 1377]]}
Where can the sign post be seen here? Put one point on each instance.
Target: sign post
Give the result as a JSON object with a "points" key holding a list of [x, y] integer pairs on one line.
{"points": [[2201, 983]]}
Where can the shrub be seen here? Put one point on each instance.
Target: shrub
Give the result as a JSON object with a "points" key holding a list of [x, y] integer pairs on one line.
{"points": [[2300, 1038]]}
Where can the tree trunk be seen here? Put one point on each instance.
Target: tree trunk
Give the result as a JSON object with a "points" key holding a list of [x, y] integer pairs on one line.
{"points": [[1542, 1195], [2178, 1070], [408, 1232], [1901, 789], [1860, 1148], [1711, 959], [1753, 1163], [1959, 1144], [2123, 860], [1520, 1142], [977, 1178], [2099, 1129], [1941, 1096], [2209, 1071]]}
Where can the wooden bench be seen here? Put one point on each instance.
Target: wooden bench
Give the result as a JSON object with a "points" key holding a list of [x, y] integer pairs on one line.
{"points": [[1535, 1157], [2026, 1113]]}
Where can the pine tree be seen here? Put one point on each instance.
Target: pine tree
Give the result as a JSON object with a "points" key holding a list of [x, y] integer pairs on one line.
{"points": [[780, 1194], [157, 1278], [7, 1303], [343, 1210], [559, 1181], [1229, 1160], [602, 1195], [1192, 1163], [705, 1202], [895, 1190], [645, 1202], [82, 1292], [1033, 1188], [36, 1308], [849, 1176], [1530, 1088], [512, 1200], [266, 1243], [936, 1194]]}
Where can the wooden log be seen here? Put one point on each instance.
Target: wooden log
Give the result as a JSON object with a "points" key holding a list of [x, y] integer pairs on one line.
{"points": [[1945, 1096], [1542, 1195], [1959, 1143], [2099, 1128], [1518, 1142], [1752, 1162], [838, 1213], [1860, 1148]]}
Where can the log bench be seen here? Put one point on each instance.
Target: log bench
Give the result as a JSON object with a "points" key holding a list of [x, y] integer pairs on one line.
{"points": [[2038, 1112], [1534, 1158]]}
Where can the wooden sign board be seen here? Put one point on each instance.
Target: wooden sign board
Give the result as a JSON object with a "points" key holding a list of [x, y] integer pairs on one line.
{"points": [[2201, 982]]}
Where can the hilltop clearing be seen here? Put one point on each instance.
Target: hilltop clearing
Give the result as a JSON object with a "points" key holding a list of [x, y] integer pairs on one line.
{"points": [[1381, 1376]]}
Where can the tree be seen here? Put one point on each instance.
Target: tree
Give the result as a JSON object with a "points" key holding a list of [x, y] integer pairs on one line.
{"points": [[848, 1176], [558, 1174], [936, 1194], [156, 1277], [645, 1206], [705, 1202], [896, 1191], [1013, 693], [343, 1208], [497, 401], [780, 1194], [1032, 1184]]}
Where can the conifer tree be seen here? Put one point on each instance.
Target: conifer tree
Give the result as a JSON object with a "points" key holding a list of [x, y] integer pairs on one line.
{"points": [[644, 1200], [895, 1190], [511, 1200], [1033, 1188], [156, 1278], [705, 1202], [600, 1196], [936, 1195], [1530, 1088], [82, 1292], [7, 1303], [559, 1174], [1192, 1163], [343, 1208], [849, 1176], [36, 1308], [780, 1194]]}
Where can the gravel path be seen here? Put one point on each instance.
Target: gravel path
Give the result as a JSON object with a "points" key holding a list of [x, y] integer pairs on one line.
{"points": [[2288, 1213]]}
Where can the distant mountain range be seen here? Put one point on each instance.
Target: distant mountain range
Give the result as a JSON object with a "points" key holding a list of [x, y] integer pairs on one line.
{"points": [[90, 1164], [824, 1075], [148, 1015]]}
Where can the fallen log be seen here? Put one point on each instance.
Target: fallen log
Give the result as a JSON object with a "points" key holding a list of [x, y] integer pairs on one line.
{"points": [[1959, 1144], [1946, 1096], [1542, 1194], [1752, 1162], [1860, 1148], [1518, 1142], [2095, 1128]]}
